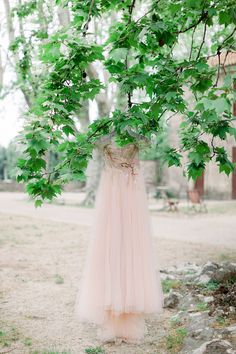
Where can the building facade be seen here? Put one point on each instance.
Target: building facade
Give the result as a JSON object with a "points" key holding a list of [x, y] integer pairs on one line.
{"points": [[212, 184]]}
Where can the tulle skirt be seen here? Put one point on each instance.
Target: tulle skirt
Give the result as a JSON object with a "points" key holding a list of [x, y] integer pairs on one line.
{"points": [[121, 283]]}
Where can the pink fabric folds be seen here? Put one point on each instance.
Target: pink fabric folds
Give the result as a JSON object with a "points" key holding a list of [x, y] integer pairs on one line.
{"points": [[120, 284]]}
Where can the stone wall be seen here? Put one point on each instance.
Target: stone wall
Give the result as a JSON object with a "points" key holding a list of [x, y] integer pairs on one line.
{"points": [[11, 186]]}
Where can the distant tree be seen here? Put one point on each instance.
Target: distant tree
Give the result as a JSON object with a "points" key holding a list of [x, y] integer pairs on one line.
{"points": [[3, 160], [13, 153]]}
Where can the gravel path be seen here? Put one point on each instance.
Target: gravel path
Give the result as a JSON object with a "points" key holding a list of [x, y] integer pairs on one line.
{"points": [[212, 228], [42, 253]]}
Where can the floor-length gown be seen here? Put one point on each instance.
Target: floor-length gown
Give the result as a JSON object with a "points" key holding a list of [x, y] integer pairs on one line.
{"points": [[120, 284]]}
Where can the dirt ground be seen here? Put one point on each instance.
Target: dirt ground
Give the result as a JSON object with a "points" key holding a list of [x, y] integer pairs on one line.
{"points": [[41, 261]]}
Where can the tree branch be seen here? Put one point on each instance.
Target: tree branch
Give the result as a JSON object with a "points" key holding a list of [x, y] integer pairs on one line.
{"points": [[225, 40], [86, 25], [171, 116], [202, 17], [213, 147], [131, 8], [223, 65], [203, 41], [136, 135], [191, 49], [218, 71]]}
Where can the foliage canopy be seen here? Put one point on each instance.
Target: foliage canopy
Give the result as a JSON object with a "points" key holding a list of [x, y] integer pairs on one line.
{"points": [[141, 51]]}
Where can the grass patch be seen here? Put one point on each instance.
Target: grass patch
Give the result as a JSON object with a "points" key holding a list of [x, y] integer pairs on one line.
{"points": [[177, 332], [96, 350], [201, 306], [175, 321], [169, 284], [175, 340], [11, 337], [7, 337], [28, 342], [58, 279], [212, 285], [222, 322]]}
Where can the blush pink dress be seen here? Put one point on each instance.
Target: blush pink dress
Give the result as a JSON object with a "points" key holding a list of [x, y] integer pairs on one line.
{"points": [[121, 283]]}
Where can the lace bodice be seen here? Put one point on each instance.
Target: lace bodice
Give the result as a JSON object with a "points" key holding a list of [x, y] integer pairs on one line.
{"points": [[125, 158]]}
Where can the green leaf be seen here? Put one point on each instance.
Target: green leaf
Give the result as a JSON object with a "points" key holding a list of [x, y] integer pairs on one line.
{"points": [[68, 130], [195, 170], [37, 164], [80, 176], [225, 165], [200, 154], [21, 163], [50, 52], [221, 105], [38, 203], [172, 157], [118, 54]]}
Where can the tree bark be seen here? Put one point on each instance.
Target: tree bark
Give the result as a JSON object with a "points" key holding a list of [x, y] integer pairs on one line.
{"points": [[63, 16], [43, 19], [10, 28], [95, 164], [11, 37], [1, 72]]}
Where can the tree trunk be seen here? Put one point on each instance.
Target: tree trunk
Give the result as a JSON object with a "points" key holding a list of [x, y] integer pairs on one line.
{"points": [[11, 37], [1, 72], [63, 16], [10, 28], [43, 19], [95, 164]]}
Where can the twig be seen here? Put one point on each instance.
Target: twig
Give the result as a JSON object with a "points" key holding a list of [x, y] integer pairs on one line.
{"points": [[131, 8], [225, 40], [214, 55], [140, 18], [54, 171], [219, 53], [98, 128], [213, 147], [202, 17], [172, 115], [86, 25], [218, 71], [135, 135], [147, 13], [203, 41], [191, 49], [162, 114], [223, 65]]}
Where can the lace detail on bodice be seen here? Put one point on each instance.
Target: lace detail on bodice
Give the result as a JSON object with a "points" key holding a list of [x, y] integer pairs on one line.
{"points": [[125, 158]]}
